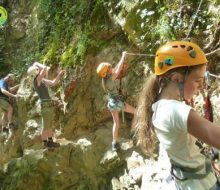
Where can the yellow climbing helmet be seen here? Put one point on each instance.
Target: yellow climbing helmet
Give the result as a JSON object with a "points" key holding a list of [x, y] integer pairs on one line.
{"points": [[178, 54], [102, 69]]}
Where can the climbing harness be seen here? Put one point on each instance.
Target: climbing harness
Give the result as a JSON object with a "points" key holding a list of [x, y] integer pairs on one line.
{"points": [[183, 173]]}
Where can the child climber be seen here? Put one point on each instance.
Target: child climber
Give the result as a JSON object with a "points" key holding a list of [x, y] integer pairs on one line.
{"points": [[179, 73], [41, 84], [115, 99]]}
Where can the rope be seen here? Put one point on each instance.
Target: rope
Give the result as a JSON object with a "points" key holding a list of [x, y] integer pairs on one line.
{"points": [[194, 19], [212, 75], [216, 76], [141, 54]]}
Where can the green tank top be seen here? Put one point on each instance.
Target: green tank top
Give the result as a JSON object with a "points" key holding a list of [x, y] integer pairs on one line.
{"points": [[111, 86]]}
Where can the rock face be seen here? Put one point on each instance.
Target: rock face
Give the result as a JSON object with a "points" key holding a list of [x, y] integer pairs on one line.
{"points": [[78, 36], [84, 160]]}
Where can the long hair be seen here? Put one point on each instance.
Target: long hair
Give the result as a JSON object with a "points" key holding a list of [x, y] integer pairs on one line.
{"points": [[142, 124]]}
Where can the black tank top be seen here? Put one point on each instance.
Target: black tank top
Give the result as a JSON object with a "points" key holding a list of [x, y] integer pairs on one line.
{"points": [[41, 90]]}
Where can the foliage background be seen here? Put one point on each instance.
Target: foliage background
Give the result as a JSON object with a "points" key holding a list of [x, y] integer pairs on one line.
{"points": [[63, 32], [77, 35]]}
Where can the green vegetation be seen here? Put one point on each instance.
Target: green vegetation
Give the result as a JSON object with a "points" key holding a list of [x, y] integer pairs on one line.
{"points": [[63, 32], [21, 170], [68, 33]]}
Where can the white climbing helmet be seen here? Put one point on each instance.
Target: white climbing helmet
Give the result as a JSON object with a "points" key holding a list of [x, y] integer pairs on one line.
{"points": [[33, 71]]}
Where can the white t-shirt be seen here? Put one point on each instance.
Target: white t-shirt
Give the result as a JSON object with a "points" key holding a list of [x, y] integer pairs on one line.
{"points": [[170, 122]]}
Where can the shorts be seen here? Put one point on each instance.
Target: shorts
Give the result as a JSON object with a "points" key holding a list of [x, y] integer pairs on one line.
{"points": [[47, 113], [4, 104], [115, 103]]}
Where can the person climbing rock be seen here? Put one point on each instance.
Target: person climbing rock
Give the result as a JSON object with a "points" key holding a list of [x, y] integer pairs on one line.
{"points": [[116, 102], [38, 71], [179, 72], [7, 92]]}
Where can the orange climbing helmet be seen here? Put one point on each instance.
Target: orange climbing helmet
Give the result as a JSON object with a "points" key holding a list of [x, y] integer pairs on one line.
{"points": [[102, 69], [178, 54]]}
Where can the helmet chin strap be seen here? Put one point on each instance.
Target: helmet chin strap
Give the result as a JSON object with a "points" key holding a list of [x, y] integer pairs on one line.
{"points": [[180, 86]]}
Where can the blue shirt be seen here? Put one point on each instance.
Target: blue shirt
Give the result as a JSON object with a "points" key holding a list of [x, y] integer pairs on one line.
{"points": [[4, 85]]}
